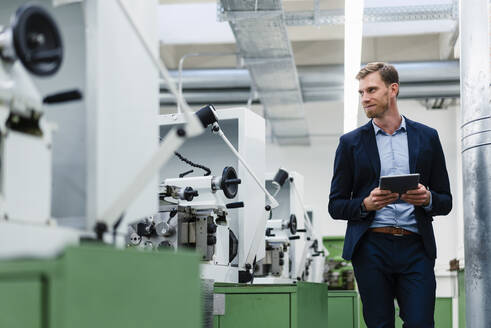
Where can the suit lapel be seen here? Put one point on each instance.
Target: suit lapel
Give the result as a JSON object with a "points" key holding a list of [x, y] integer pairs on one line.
{"points": [[413, 144], [371, 149]]}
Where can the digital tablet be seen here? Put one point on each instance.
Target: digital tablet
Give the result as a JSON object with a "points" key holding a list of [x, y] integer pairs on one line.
{"points": [[399, 183]]}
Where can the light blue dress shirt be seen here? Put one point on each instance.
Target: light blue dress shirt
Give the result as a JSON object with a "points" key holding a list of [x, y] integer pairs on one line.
{"points": [[394, 160]]}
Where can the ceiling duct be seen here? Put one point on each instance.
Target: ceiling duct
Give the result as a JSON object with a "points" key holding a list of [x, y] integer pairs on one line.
{"points": [[262, 41], [429, 79]]}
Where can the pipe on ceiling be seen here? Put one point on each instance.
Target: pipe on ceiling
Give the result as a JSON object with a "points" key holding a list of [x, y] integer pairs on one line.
{"points": [[311, 94], [318, 83]]}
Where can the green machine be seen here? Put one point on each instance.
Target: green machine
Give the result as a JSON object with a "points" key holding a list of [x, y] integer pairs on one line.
{"points": [[300, 305], [343, 309], [340, 275], [99, 286], [343, 298]]}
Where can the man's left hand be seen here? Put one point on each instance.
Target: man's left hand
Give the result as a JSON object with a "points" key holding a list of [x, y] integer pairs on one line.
{"points": [[417, 197]]}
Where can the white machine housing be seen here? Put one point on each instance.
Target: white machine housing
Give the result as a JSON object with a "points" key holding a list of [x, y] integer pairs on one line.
{"points": [[318, 261], [118, 118], [246, 132], [25, 158], [278, 223]]}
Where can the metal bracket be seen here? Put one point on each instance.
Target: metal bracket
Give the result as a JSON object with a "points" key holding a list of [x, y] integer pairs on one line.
{"points": [[218, 304]]}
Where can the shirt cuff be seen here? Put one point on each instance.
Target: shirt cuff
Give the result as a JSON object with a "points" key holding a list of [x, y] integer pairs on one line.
{"points": [[428, 207]]}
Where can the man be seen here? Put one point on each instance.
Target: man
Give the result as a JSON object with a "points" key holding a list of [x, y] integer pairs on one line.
{"points": [[389, 238]]}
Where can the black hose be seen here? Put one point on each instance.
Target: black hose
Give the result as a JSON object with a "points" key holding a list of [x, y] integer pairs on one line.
{"points": [[204, 168]]}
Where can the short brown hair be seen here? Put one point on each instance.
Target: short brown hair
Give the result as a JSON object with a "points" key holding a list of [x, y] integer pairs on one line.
{"points": [[388, 72]]}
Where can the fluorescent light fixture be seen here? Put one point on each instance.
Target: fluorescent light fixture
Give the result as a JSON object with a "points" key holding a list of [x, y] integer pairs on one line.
{"points": [[194, 23], [353, 31]]}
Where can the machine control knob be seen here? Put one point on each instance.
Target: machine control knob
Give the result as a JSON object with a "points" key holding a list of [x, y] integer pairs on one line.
{"points": [[280, 177], [189, 193], [37, 40], [143, 229], [229, 182], [292, 224], [206, 115]]}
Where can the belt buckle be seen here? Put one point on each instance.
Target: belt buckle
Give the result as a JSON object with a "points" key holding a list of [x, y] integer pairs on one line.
{"points": [[400, 234]]}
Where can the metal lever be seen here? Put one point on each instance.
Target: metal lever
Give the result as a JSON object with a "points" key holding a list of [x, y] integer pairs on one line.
{"points": [[64, 96], [235, 205], [232, 181], [182, 175]]}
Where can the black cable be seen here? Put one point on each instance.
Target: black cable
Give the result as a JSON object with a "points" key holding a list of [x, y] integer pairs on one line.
{"points": [[187, 161], [115, 228]]}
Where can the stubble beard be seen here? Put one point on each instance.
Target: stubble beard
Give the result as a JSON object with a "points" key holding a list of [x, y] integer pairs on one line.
{"points": [[376, 113]]}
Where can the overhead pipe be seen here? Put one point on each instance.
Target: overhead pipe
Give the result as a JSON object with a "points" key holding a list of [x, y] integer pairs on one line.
{"points": [[311, 94], [318, 83], [230, 78], [476, 158]]}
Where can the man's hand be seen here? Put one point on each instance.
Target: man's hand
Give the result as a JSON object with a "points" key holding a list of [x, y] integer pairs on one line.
{"points": [[379, 198], [417, 197]]}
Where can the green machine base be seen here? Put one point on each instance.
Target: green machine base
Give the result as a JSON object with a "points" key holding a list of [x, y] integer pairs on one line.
{"points": [[301, 305], [101, 287], [343, 309]]}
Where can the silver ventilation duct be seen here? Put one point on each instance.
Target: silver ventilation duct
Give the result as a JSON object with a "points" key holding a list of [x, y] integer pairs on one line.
{"points": [[428, 79], [476, 158], [262, 41], [310, 94]]}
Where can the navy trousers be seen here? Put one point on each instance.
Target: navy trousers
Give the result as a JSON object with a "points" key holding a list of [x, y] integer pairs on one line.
{"points": [[391, 267]]}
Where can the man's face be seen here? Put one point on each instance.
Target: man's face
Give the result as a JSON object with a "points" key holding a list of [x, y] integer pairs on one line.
{"points": [[374, 95]]}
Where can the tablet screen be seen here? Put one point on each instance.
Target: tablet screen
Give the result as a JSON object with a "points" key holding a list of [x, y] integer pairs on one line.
{"points": [[399, 183]]}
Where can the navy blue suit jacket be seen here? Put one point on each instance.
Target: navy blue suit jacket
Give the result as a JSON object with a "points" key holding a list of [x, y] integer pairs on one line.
{"points": [[357, 173]]}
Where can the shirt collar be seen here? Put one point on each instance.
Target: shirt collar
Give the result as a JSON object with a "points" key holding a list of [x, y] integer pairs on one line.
{"points": [[401, 127]]}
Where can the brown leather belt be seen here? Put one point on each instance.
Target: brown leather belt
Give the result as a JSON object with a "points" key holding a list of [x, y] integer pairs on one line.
{"points": [[392, 231]]}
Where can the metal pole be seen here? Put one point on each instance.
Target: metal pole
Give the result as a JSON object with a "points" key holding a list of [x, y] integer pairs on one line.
{"points": [[476, 158]]}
